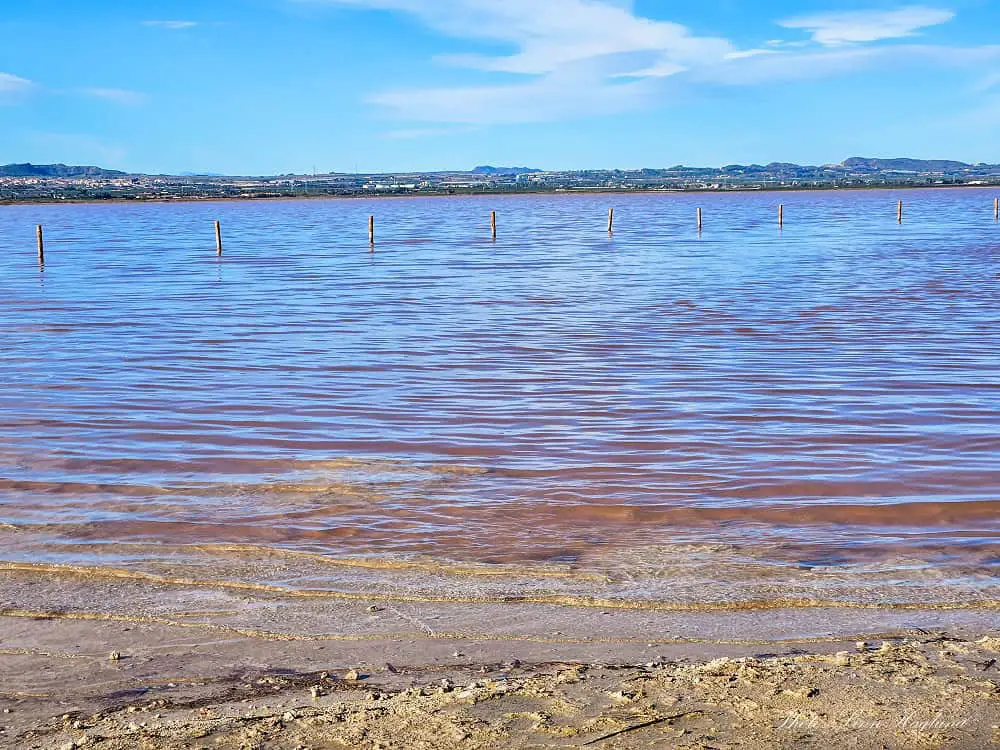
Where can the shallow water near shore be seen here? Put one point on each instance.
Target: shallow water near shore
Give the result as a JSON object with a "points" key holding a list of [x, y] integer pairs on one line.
{"points": [[745, 417]]}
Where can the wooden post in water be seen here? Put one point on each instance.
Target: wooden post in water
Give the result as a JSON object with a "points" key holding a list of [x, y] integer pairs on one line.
{"points": [[371, 231], [781, 215], [218, 239], [899, 212], [493, 224], [611, 220], [41, 245], [996, 209], [699, 219]]}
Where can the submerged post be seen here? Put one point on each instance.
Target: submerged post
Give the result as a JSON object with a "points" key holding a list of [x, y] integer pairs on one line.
{"points": [[611, 220], [41, 245], [899, 212], [781, 215], [699, 219], [996, 209], [371, 231], [493, 224], [218, 238]]}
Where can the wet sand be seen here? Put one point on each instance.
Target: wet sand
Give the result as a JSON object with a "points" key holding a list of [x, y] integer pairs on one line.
{"points": [[125, 684], [136, 662]]}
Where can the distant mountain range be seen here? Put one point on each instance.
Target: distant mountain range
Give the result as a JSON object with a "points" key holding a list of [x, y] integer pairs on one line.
{"points": [[506, 170], [854, 164], [56, 170], [909, 165]]}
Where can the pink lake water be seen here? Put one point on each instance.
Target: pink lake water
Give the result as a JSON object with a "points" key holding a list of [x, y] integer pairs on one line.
{"points": [[742, 413]]}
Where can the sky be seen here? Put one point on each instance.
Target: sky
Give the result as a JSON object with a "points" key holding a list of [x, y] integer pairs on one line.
{"points": [[297, 86]]}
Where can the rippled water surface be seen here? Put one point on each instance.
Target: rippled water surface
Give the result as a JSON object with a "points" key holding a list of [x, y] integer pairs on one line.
{"points": [[750, 401]]}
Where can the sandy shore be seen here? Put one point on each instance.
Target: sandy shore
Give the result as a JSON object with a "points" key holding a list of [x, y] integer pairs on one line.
{"points": [[404, 657], [64, 687]]}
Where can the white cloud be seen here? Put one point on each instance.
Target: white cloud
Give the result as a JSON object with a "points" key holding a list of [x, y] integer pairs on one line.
{"points": [[661, 69], [550, 97], [77, 148], [789, 66], [583, 58], [743, 54], [173, 25], [116, 96], [987, 115], [987, 83], [826, 62], [415, 133], [551, 33], [833, 29], [13, 87], [579, 57]]}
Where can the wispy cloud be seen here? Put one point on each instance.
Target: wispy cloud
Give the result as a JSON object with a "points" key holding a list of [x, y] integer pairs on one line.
{"points": [[987, 115], [173, 25], [852, 27], [578, 57], [582, 58], [116, 96], [75, 148], [551, 33], [822, 62], [989, 82], [13, 88], [787, 66], [554, 96], [417, 133]]}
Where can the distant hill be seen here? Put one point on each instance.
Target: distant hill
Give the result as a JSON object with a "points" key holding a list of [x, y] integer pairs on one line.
{"points": [[856, 168], [905, 165], [56, 170], [505, 170]]}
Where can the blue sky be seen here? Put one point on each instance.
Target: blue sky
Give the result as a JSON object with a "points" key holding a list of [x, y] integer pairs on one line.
{"points": [[274, 86]]}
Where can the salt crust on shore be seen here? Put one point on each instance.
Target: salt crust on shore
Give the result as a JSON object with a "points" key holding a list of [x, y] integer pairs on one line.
{"points": [[929, 692]]}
